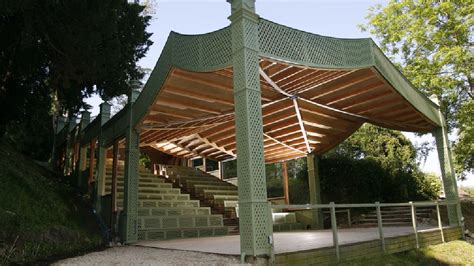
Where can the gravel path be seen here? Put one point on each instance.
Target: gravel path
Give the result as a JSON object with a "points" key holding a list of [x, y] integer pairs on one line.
{"points": [[127, 255]]}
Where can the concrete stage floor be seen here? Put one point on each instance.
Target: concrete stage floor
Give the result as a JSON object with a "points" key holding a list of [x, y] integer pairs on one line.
{"points": [[284, 241]]}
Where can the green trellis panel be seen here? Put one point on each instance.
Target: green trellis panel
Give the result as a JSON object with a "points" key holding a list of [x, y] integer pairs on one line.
{"points": [[447, 173], [81, 164], [104, 116], [132, 156], [254, 216]]}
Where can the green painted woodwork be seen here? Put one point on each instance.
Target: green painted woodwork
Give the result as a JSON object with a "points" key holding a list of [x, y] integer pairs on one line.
{"points": [[91, 131], [284, 43], [101, 158], [131, 175], [314, 189], [447, 170], [447, 173], [254, 214], [240, 46], [81, 163], [367, 249], [69, 142]]}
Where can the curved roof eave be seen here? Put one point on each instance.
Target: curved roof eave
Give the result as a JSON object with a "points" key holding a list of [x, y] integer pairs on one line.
{"points": [[212, 51], [198, 53], [318, 51]]}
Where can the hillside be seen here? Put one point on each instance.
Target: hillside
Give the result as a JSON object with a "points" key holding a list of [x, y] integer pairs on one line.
{"points": [[41, 218]]}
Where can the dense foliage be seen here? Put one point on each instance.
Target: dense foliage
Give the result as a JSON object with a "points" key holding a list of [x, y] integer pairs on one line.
{"points": [[40, 215], [434, 43], [54, 54]]}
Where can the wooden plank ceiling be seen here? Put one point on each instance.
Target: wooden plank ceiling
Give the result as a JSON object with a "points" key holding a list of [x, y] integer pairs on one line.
{"points": [[304, 110]]}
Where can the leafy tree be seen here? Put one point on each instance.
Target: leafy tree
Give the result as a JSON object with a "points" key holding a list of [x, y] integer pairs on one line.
{"points": [[388, 147], [433, 42], [54, 53]]}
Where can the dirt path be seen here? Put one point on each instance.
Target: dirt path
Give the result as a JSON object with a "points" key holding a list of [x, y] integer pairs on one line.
{"points": [[127, 255]]}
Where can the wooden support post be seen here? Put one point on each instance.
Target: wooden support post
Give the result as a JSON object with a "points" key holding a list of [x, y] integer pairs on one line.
{"points": [[91, 161], [221, 170], [131, 173], [284, 173], [204, 164], [334, 229], [69, 143], [413, 220], [380, 225], [314, 189], [104, 116], [81, 165], [114, 184], [440, 223]]}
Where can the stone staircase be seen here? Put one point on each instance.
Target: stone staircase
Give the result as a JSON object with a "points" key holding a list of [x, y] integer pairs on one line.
{"points": [[395, 216], [220, 196], [164, 212]]}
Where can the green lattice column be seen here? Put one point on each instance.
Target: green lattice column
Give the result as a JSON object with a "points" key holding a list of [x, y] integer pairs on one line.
{"points": [[104, 116], [60, 122], [314, 189], [81, 165], [132, 156], [254, 216], [68, 152], [447, 169], [447, 173]]}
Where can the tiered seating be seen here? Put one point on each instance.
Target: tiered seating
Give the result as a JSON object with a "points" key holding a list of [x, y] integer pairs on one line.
{"points": [[165, 213], [285, 221], [221, 196]]}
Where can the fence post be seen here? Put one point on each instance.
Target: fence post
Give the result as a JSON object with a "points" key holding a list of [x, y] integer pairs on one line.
{"points": [[413, 220], [380, 225], [440, 224], [349, 217], [334, 229]]}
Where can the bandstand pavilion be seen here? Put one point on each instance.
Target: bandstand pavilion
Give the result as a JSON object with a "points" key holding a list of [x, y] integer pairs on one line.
{"points": [[259, 92]]}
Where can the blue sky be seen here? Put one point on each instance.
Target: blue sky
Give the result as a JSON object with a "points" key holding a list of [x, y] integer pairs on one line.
{"points": [[338, 18]]}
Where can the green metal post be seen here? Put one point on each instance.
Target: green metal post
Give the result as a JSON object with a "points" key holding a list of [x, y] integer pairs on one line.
{"points": [[68, 152], [131, 178], [256, 229], [104, 116], [314, 189], [81, 165], [54, 153], [447, 170]]}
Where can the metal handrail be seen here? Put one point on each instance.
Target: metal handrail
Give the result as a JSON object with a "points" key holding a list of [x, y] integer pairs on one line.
{"points": [[365, 205], [332, 207]]}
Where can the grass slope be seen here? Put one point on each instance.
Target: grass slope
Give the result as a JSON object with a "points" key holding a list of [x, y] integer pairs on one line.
{"points": [[40, 215], [452, 253]]}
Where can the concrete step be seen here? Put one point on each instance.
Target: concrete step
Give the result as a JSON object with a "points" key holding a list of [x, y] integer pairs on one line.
{"points": [[158, 197], [215, 182], [149, 190], [288, 227], [173, 211], [162, 234], [179, 221], [153, 179], [199, 188], [150, 203], [283, 217], [108, 183], [208, 193]]}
